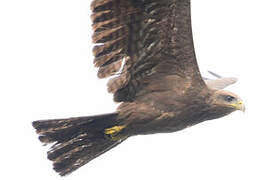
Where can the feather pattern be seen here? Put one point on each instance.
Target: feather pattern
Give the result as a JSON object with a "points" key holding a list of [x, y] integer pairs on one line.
{"points": [[76, 140], [146, 46], [143, 33]]}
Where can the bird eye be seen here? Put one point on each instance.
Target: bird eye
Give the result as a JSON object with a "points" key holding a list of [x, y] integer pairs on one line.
{"points": [[229, 98]]}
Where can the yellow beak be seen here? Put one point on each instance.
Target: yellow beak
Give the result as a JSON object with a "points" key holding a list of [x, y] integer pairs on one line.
{"points": [[239, 105]]}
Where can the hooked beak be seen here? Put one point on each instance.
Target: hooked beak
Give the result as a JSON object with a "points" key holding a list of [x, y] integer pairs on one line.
{"points": [[239, 105]]}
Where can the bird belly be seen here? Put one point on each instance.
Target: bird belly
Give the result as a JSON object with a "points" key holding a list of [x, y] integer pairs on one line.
{"points": [[166, 123], [147, 119]]}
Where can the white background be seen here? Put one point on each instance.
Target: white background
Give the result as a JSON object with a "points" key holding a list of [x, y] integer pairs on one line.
{"points": [[46, 71]]}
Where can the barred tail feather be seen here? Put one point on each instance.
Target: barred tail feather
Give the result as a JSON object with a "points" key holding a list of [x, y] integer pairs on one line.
{"points": [[77, 140]]}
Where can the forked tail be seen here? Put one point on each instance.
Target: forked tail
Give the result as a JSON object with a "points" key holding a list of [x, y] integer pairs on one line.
{"points": [[77, 140]]}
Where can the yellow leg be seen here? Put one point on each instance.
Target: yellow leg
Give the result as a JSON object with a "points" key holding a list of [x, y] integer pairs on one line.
{"points": [[113, 132]]}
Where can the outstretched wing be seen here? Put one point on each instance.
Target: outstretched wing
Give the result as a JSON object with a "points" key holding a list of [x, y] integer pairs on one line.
{"points": [[220, 82], [140, 38]]}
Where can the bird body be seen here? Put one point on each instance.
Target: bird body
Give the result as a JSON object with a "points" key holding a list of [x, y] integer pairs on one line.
{"points": [[146, 47], [169, 113]]}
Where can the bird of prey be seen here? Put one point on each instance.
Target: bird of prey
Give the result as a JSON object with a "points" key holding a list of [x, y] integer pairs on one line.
{"points": [[146, 48]]}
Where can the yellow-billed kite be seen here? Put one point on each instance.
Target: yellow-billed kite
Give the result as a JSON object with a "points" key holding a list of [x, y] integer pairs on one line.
{"points": [[146, 47]]}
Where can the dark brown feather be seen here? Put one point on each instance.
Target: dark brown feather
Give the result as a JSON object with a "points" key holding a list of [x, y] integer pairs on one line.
{"points": [[147, 47], [144, 33], [76, 140]]}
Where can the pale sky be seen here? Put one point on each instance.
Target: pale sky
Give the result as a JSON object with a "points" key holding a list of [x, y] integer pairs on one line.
{"points": [[46, 71]]}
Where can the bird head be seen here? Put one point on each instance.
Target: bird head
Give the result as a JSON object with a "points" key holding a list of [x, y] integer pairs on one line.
{"points": [[227, 100]]}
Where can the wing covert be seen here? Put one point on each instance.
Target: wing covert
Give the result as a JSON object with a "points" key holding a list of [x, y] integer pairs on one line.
{"points": [[138, 38]]}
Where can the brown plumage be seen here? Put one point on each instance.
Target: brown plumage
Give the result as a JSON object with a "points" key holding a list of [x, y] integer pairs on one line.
{"points": [[146, 47]]}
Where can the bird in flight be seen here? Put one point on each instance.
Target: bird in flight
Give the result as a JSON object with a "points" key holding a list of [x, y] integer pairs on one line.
{"points": [[146, 49]]}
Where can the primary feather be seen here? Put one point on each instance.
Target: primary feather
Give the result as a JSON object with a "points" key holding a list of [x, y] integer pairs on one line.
{"points": [[149, 35], [146, 47]]}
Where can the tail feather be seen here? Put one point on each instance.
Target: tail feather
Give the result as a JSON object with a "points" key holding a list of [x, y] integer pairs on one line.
{"points": [[60, 130], [59, 149], [80, 155], [77, 140]]}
